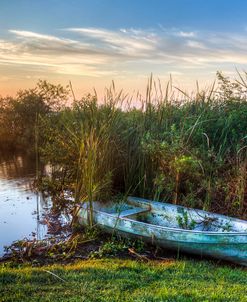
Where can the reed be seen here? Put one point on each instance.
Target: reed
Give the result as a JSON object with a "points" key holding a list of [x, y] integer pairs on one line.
{"points": [[169, 145]]}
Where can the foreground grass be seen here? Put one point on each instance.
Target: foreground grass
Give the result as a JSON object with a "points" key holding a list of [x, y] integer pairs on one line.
{"points": [[124, 280]]}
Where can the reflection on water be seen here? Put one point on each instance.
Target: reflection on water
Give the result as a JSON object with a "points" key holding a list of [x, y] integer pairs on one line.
{"points": [[20, 207]]}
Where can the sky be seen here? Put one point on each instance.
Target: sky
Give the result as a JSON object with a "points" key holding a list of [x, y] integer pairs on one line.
{"points": [[91, 43]]}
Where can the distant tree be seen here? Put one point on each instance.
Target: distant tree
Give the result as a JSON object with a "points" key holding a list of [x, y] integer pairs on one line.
{"points": [[19, 116]]}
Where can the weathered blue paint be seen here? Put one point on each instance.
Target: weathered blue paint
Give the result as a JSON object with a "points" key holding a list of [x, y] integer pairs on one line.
{"points": [[174, 227]]}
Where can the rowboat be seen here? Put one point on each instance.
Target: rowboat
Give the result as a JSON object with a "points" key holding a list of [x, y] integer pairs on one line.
{"points": [[172, 227]]}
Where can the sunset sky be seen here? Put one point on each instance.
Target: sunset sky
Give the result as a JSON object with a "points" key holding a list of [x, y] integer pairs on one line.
{"points": [[91, 43]]}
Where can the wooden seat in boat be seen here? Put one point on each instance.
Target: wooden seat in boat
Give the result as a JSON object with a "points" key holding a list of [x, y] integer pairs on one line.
{"points": [[131, 212]]}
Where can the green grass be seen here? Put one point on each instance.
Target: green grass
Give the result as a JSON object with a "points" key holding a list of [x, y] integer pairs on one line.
{"points": [[124, 280]]}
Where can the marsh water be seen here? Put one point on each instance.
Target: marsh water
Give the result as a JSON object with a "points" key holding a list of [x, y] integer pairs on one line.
{"points": [[21, 208]]}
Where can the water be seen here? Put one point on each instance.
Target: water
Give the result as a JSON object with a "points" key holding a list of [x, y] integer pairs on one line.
{"points": [[21, 209]]}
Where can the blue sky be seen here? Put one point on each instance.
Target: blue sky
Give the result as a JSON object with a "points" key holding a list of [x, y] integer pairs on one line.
{"points": [[94, 42]]}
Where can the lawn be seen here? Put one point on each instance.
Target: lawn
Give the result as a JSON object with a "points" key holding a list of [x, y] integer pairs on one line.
{"points": [[124, 280]]}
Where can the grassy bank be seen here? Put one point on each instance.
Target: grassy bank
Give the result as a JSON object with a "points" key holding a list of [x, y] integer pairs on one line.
{"points": [[124, 280], [119, 280]]}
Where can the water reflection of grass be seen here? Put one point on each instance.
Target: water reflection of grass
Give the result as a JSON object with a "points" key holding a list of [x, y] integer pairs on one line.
{"points": [[124, 280]]}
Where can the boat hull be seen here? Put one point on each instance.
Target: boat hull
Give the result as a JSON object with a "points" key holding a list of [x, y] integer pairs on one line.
{"points": [[226, 246]]}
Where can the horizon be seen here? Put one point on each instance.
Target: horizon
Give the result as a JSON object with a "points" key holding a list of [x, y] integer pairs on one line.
{"points": [[92, 43]]}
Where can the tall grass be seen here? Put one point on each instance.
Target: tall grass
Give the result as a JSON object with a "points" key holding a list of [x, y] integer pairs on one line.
{"points": [[169, 145], [180, 149]]}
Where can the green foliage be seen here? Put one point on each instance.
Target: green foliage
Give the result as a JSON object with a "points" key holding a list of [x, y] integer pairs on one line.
{"points": [[20, 116], [186, 150], [117, 246], [109, 249], [184, 221]]}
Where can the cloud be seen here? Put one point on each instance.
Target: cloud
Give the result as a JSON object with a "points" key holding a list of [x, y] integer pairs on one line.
{"points": [[33, 35], [101, 52], [4, 79], [127, 42], [185, 34], [195, 44]]}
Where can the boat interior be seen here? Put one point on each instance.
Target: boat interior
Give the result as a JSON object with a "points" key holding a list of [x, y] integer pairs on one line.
{"points": [[172, 216]]}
